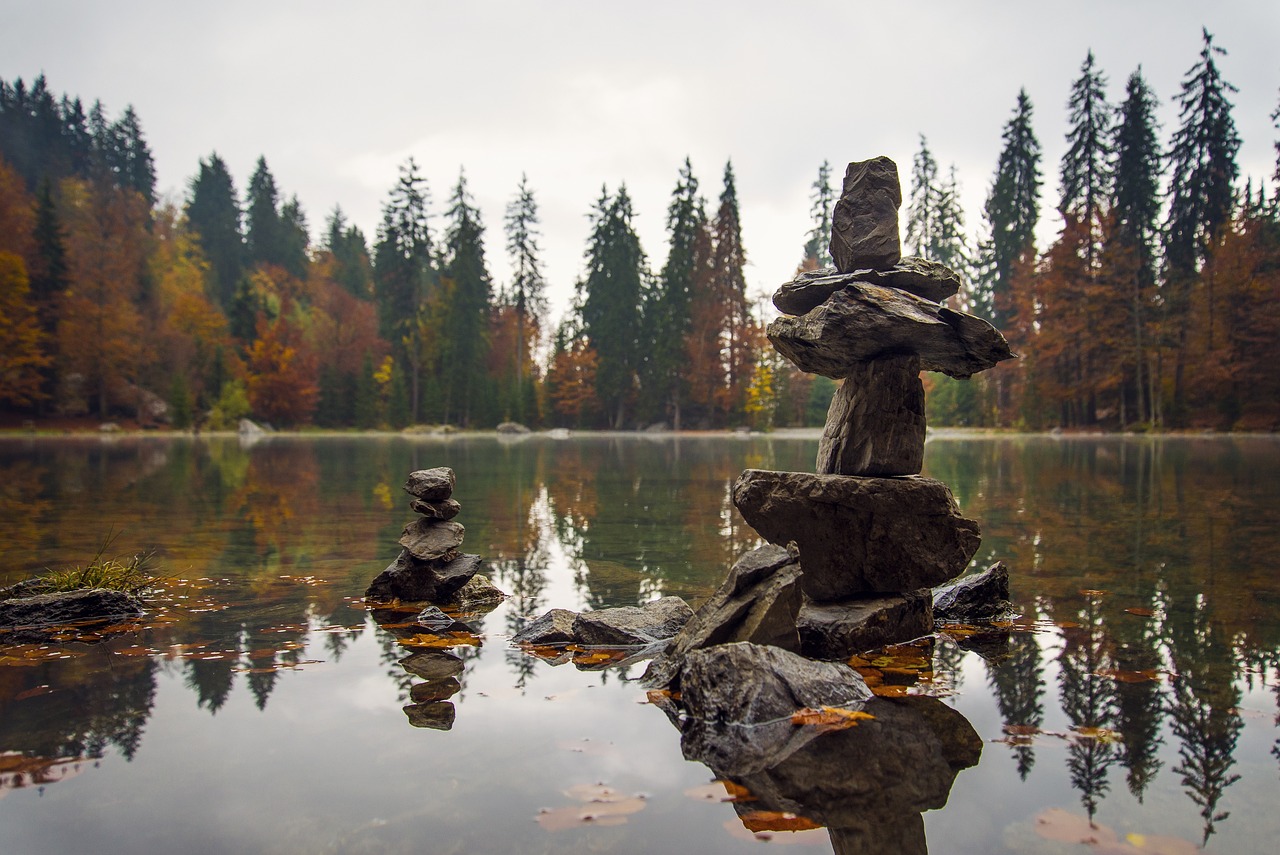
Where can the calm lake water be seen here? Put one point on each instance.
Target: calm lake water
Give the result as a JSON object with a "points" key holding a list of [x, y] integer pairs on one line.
{"points": [[261, 708]]}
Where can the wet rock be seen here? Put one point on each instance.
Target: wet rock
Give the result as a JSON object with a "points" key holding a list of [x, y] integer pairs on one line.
{"points": [[927, 279], [864, 222], [34, 615], [433, 664], [876, 423], [981, 597], [512, 429], [446, 509], [434, 690], [478, 594], [860, 535], [434, 620], [746, 683], [435, 715], [433, 540], [554, 627], [861, 323], [412, 580], [837, 630], [431, 485], [631, 625], [757, 602]]}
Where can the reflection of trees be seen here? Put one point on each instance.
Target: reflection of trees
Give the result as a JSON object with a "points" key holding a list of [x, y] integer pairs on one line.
{"points": [[1016, 674], [1090, 702]]}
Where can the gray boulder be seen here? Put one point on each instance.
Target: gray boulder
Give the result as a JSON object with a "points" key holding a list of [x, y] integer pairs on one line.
{"points": [[554, 627], [981, 597], [479, 594], [876, 423], [433, 540], [631, 625], [512, 429], [431, 485], [38, 615], [446, 509], [860, 535], [919, 276], [758, 602], [413, 580], [864, 223], [862, 323], [840, 629]]}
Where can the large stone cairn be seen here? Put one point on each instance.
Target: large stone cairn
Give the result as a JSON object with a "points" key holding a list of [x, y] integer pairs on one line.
{"points": [[430, 566], [866, 537]]}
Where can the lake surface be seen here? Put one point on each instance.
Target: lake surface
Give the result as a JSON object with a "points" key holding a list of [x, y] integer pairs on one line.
{"points": [[261, 708]]}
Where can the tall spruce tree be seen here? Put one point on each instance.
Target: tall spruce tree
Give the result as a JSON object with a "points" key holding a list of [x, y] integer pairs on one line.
{"points": [[729, 283], [1135, 209], [925, 204], [611, 297], [1012, 210], [403, 272], [817, 249], [950, 245], [527, 293], [352, 267], [129, 157], [667, 307], [1203, 170], [213, 214], [264, 233], [295, 238], [1086, 165], [465, 342]]}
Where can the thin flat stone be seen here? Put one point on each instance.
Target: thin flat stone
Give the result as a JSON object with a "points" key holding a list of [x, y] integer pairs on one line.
{"points": [[926, 279]]}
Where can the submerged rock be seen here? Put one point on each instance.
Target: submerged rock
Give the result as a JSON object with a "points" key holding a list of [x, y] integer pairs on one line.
{"points": [[860, 536], [757, 602], [837, 630], [981, 597], [39, 614], [862, 322], [876, 423], [864, 222]]}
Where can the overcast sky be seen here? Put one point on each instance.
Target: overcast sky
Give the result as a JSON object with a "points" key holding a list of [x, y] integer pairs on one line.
{"points": [[580, 93]]}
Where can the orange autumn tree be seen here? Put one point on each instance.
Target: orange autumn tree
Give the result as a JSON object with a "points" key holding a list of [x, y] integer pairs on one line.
{"points": [[281, 373], [571, 382], [21, 357]]}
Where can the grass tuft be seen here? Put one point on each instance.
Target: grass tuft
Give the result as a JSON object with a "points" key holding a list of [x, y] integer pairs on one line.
{"points": [[133, 575]]}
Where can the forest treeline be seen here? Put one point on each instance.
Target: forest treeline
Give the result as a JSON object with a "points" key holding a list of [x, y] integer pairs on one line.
{"points": [[1156, 306]]}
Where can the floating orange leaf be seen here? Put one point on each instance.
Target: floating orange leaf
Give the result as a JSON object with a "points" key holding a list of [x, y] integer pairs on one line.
{"points": [[810, 837], [35, 692], [757, 821], [829, 718], [1093, 592], [887, 691], [1141, 612], [430, 640], [720, 791], [602, 806], [657, 696]]}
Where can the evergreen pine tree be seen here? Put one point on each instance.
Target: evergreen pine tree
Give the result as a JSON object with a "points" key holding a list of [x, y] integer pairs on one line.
{"points": [[1012, 209], [213, 214], [465, 346], [527, 292], [264, 231], [729, 284], [352, 267], [129, 158], [1203, 170], [817, 249], [925, 205], [1086, 172], [295, 238], [950, 246], [49, 277]]}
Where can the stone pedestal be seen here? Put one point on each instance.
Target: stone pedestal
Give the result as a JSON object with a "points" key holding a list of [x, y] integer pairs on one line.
{"points": [[876, 425]]}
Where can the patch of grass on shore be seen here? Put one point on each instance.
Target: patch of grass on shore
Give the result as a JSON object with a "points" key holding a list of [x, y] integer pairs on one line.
{"points": [[133, 575]]}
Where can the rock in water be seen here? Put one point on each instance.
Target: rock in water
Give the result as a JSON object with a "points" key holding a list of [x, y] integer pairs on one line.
{"points": [[876, 423], [433, 664], [982, 596], [433, 540], [864, 224], [446, 509], [919, 276], [840, 629], [757, 602], [36, 615], [860, 535], [413, 580], [554, 627], [431, 485], [631, 625], [862, 323]]}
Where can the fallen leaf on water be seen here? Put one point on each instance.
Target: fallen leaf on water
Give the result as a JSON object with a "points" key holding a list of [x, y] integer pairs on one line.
{"points": [[602, 805], [1093, 592], [430, 640], [1067, 827], [1141, 612], [809, 837], [886, 691], [720, 791], [1123, 676], [35, 654], [1158, 844], [657, 696], [829, 718], [34, 692], [1103, 735], [757, 821]]}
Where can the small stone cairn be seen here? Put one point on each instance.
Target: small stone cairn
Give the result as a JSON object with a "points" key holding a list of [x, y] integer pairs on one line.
{"points": [[855, 548], [430, 567]]}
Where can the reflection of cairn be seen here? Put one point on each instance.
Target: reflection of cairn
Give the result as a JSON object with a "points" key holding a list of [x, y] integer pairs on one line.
{"points": [[430, 568], [869, 535]]}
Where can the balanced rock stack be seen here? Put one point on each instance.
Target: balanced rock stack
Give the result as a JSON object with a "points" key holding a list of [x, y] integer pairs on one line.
{"points": [[430, 566], [871, 533]]}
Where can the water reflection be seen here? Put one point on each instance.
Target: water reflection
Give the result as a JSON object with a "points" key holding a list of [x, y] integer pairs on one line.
{"points": [[1144, 570]]}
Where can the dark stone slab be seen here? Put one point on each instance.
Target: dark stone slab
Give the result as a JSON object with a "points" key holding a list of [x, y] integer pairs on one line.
{"points": [[32, 615], [445, 509], [631, 625], [757, 602], [433, 540], [434, 690], [838, 630], [862, 323], [876, 423], [434, 715], [860, 535], [412, 580], [926, 279], [981, 597], [479, 594], [433, 664], [864, 222], [554, 627], [431, 485]]}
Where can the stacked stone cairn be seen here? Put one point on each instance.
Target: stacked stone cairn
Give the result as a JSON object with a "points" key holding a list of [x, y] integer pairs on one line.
{"points": [[856, 547], [430, 567]]}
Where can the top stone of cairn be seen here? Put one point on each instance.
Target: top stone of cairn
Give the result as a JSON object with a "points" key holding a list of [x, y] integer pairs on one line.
{"points": [[864, 224], [431, 485]]}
